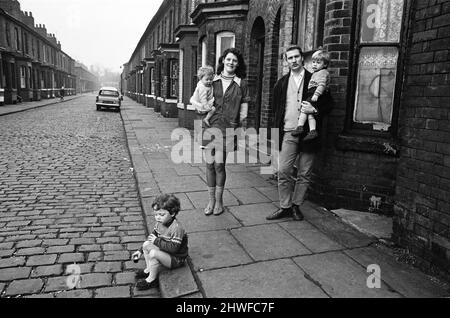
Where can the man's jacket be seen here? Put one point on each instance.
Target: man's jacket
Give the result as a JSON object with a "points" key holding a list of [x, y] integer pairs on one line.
{"points": [[323, 106]]}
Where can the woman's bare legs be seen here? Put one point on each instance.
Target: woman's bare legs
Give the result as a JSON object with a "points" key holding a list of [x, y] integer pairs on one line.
{"points": [[215, 178], [221, 177], [211, 181]]}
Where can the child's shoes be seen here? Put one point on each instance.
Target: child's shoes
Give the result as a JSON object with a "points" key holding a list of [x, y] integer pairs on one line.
{"points": [[141, 274], [311, 135], [298, 131], [206, 121], [144, 285]]}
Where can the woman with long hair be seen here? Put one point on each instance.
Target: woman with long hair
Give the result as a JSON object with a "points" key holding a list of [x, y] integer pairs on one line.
{"points": [[231, 101]]}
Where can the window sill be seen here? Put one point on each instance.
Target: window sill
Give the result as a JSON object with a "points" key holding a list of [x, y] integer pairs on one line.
{"points": [[369, 144]]}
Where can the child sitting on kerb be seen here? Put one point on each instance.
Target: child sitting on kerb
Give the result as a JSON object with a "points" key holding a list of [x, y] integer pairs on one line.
{"points": [[166, 247]]}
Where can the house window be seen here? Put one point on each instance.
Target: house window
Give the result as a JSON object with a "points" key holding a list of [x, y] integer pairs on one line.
{"points": [[308, 24], [16, 33], [204, 51], [22, 77], [224, 40], [159, 87], [159, 34], [188, 11], [173, 78], [377, 56], [8, 35], [152, 81], [3, 76], [33, 46], [30, 84], [13, 76], [25, 42], [180, 77], [170, 26], [194, 69]]}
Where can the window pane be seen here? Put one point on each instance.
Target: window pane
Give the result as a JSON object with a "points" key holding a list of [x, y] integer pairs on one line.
{"points": [[377, 73], [22, 77], [173, 78], [381, 20], [174, 69], [224, 40], [204, 52], [226, 43], [152, 77]]}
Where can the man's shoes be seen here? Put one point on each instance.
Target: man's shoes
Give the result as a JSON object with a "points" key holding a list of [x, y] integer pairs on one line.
{"points": [[297, 214], [281, 213], [298, 131], [144, 285], [141, 274]]}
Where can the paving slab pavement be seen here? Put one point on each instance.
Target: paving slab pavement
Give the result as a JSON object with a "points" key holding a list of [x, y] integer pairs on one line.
{"points": [[401, 277], [240, 253], [341, 277], [217, 249], [273, 279], [24, 106]]}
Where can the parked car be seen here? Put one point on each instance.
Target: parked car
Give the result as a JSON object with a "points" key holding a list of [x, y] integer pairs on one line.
{"points": [[109, 97]]}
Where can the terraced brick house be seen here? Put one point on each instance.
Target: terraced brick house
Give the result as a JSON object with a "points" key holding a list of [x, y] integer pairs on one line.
{"points": [[387, 140]]}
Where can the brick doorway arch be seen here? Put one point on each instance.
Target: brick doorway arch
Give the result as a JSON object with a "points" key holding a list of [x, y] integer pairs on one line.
{"points": [[256, 71]]}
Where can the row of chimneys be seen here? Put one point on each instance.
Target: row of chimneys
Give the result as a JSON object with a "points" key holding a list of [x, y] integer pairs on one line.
{"points": [[13, 8]]}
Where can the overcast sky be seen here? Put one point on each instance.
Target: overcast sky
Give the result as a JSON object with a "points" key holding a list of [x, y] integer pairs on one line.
{"points": [[95, 32]]}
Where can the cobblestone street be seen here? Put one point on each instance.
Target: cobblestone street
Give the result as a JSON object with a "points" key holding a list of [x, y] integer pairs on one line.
{"points": [[67, 196]]}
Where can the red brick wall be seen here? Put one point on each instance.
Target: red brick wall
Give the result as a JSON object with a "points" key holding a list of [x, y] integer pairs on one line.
{"points": [[422, 209], [343, 179], [267, 10], [348, 178], [189, 70]]}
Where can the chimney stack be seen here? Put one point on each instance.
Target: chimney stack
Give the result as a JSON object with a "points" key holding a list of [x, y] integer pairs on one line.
{"points": [[28, 19], [12, 7], [40, 28]]}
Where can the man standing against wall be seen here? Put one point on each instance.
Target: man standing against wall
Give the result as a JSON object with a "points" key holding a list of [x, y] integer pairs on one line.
{"points": [[288, 101]]}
